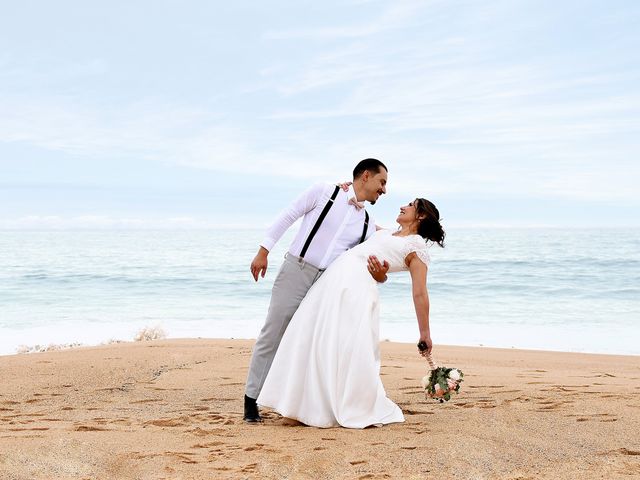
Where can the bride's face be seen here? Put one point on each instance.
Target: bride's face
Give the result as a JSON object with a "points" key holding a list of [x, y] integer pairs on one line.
{"points": [[407, 213]]}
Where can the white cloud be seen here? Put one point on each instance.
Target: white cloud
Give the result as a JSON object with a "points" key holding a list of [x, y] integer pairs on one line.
{"points": [[396, 16]]}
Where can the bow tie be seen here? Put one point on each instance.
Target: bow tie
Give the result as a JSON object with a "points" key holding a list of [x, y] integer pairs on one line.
{"points": [[356, 203]]}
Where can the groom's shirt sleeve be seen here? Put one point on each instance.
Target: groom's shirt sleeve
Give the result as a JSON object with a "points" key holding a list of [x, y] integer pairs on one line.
{"points": [[306, 202]]}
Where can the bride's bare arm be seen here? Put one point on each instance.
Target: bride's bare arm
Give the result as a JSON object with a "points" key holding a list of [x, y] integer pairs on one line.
{"points": [[418, 271]]}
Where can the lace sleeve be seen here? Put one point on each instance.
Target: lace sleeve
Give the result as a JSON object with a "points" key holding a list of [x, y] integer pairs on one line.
{"points": [[417, 245]]}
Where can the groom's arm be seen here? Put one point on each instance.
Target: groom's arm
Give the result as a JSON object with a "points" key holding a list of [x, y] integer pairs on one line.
{"points": [[306, 202]]}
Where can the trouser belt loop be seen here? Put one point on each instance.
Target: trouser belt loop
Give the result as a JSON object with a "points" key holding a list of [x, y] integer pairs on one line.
{"points": [[302, 262]]}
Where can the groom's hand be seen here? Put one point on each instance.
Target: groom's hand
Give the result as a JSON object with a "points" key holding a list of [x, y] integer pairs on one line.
{"points": [[377, 270], [259, 263]]}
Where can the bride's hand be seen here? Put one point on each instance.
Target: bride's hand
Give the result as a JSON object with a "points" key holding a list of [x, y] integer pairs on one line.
{"points": [[426, 340], [344, 185]]}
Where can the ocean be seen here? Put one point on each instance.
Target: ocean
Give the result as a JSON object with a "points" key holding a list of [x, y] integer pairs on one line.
{"points": [[572, 290]]}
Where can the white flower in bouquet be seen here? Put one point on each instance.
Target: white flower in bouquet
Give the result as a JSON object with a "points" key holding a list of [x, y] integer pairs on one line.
{"points": [[441, 382]]}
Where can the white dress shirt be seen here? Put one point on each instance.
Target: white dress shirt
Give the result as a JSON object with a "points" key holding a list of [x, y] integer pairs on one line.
{"points": [[340, 230]]}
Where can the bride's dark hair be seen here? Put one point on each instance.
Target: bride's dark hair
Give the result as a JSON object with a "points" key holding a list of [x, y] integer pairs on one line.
{"points": [[429, 226]]}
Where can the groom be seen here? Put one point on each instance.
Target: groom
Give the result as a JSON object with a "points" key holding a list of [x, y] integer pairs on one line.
{"points": [[333, 221]]}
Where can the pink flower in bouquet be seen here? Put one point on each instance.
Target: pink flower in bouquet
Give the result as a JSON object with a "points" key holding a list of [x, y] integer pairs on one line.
{"points": [[452, 384], [439, 392]]}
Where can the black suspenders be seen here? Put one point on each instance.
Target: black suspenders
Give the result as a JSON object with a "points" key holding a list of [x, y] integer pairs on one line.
{"points": [[315, 228], [323, 214], [366, 226]]}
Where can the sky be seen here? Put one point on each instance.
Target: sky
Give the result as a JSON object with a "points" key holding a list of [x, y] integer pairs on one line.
{"points": [[207, 114]]}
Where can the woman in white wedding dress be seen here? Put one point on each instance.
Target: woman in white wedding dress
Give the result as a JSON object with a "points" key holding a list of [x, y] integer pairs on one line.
{"points": [[326, 371]]}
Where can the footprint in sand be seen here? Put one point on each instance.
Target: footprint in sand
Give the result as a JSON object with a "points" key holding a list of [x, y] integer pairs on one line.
{"points": [[29, 429], [200, 432], [416, 412], [420, 430], [169, 422], [250, 468], [220, 419], [208, 445], [411, 389], [90, 428], [601, 417], [184, 457], [625, 451]]}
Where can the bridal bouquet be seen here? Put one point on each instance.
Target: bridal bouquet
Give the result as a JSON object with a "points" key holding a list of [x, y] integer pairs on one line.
{"points": [[441, 381]]}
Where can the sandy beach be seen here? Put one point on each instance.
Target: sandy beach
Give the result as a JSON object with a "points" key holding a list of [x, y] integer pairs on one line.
{"points": [[172, 409]]}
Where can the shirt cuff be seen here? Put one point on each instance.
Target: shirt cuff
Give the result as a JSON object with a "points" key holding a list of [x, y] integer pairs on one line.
{"points": [[268, 243]]}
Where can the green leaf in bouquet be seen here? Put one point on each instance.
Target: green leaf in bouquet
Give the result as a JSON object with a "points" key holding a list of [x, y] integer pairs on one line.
{"points": [[443, 384]]}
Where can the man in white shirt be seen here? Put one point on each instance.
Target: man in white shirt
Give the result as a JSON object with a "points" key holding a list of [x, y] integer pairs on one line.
{"points": [[333, 220]]}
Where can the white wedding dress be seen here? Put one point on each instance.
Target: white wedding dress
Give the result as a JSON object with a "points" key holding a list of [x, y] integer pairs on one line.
{"points": [[326, 371]]}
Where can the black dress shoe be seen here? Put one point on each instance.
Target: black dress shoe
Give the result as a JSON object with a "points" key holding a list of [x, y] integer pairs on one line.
{"points": [[251, 414]]}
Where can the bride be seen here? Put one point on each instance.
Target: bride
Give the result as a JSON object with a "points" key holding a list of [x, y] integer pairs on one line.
{"points": [[326, 370]]}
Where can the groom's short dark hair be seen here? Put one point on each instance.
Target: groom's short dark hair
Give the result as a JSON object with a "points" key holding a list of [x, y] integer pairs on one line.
{"points": [[371, 164]]}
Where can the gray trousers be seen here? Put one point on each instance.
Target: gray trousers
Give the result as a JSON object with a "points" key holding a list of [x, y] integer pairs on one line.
{"points": [[294, 280]]}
